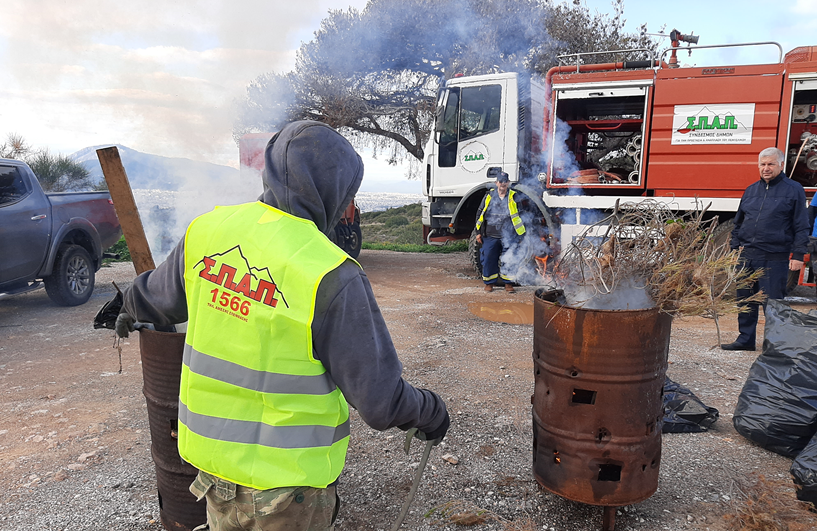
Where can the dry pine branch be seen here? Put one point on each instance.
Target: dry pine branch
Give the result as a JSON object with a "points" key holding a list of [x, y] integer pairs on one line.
{"points": [[673, 257]]}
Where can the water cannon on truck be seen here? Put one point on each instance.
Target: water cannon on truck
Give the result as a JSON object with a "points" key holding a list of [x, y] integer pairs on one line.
{"points": [[594, 135]]}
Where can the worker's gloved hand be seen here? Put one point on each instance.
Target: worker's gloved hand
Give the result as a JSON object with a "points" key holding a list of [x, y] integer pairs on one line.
{"points": [[435, 436], [124, 324], [440, 431]]}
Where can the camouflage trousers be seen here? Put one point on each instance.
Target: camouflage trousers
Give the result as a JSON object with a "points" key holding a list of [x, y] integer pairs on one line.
{"points": [[235, 507]]}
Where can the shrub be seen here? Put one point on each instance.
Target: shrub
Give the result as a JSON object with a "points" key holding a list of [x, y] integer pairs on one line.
{"points": [[396, 221]]}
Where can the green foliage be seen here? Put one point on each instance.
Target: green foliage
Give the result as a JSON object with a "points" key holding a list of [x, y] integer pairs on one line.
{"points": [[120, 248], [396, 221], [411, 212], [14, 147], [374, 74], [460, 246], [400, 229], [59, 173]]}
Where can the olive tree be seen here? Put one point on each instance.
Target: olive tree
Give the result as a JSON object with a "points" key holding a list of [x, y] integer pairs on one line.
{"points": [[374, 74]]}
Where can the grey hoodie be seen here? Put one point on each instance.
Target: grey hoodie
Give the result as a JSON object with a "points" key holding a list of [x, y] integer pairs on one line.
{"points": [[313, 172]]}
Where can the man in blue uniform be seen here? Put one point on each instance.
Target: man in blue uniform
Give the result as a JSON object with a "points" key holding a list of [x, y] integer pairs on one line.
{"points": [[771, 231]]}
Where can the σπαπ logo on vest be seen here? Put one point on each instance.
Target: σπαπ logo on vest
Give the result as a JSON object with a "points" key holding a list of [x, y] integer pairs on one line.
{"points": [[233, 272]]}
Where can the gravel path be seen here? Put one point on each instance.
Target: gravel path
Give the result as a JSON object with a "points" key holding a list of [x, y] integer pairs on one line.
{"points": [[75, 446]]}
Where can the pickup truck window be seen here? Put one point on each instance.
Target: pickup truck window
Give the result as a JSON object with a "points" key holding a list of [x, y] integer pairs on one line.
{"points": [[12, 186]]}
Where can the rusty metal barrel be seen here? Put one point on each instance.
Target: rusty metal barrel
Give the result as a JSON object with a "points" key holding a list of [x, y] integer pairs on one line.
{"points": [[597, 402], [162, 370]]}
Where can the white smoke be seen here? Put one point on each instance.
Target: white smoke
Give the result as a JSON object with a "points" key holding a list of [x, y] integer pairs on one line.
{"points": [[630, 294]]}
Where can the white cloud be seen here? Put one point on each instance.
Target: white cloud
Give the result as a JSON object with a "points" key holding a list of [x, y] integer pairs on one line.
{"points": [[805, 7], [157, 76]]}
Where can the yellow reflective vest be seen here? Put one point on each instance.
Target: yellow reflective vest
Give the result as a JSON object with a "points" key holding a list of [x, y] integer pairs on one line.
{"points": [[255, 407], [518, 226]]}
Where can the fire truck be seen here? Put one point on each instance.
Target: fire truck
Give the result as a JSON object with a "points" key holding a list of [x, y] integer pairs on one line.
{"points": [[597, 135], [347, 234]]}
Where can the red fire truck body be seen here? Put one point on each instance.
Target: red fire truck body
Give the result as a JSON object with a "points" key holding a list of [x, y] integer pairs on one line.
{"points": [[618, 132]]}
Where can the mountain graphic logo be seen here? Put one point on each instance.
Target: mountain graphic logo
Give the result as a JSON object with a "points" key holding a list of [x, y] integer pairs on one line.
{"points": [[706, 119], [232, 271]]}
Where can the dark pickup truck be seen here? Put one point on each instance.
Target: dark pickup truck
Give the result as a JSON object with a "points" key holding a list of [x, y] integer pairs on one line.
{"points": [[57, 238]]}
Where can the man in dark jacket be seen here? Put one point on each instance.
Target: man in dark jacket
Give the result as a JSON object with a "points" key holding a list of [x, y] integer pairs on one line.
{"points": [[311, 173], [770, 226]]}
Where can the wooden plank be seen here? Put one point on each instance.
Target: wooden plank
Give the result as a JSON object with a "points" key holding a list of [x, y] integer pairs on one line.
{"points": [[126, 211]]}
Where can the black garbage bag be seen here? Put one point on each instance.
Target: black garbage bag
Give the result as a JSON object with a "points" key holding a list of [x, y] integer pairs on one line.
{"points": [[804, 472], [684, 412], [777, 408], [106, 316]]}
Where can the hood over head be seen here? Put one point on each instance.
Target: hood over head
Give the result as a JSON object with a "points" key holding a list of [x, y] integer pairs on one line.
{"points": [[312, 172]]}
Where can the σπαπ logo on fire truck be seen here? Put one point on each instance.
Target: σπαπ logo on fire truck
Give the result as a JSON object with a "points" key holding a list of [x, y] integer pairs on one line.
{"points": [[232, 271], [724, 123]]}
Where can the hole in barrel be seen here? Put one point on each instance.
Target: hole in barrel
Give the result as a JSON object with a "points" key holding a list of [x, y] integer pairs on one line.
{"points": [[584, 396], [556, 458], [609, 472]]}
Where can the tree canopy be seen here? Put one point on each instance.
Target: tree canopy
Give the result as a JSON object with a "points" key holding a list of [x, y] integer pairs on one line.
{"points": [[56, 173], [374, 74]]}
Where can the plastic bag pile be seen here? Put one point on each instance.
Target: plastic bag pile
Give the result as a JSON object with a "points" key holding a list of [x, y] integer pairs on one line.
{"points": [[777, 408]]}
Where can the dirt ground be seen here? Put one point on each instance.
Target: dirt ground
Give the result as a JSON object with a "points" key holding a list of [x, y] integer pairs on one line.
{"points": [[74, 437]]}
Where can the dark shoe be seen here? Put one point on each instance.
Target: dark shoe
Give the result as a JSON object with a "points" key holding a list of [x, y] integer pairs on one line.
{"points": [[489, 288], [737, 346], [509, 288]]}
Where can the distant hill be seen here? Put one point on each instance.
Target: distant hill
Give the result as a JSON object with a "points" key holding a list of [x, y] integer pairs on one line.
{"points": [[156, 172]]}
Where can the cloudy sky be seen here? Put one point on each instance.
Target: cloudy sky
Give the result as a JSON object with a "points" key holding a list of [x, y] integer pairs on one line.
{"points": [[162, 77]]}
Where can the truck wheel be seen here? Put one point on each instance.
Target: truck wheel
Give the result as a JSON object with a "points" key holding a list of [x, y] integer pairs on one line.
{"points": [[474, 248], [355, 241], [72, 280]]}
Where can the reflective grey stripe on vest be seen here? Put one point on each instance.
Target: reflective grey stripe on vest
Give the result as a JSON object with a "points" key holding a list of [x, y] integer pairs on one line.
{"points": [[249, 432], [264, 382]]}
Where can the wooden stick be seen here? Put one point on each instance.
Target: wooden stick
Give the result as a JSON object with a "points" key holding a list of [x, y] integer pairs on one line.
{"points": [[126, 210]]}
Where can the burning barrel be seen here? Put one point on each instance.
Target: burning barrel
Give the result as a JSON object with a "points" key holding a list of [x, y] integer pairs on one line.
{"points": [[597, 402], [162, 371]]}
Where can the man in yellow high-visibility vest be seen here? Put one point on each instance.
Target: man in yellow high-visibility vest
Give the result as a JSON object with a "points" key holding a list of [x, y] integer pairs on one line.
{"points": [[498, 214], [283, 333]]}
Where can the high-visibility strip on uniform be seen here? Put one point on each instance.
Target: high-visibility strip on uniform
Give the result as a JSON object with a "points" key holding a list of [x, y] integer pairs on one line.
{"points": [[492, 277], [261, 381], [518, 226], [513, 210], [246, 432]]}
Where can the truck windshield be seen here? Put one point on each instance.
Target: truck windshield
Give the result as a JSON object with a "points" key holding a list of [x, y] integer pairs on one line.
{"points": [[469, 112]]}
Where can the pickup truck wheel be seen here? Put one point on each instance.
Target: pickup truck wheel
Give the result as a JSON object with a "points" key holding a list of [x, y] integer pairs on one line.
{"points": [[72, 280]]}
